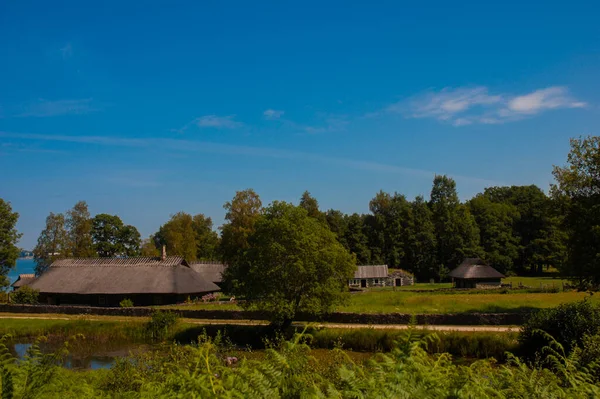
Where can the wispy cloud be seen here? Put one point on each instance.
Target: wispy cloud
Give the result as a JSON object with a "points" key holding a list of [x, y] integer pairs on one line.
{"points": [[272, 114], [66, 51], [226, 149], [45, 108], [470, 105], [211, 121], [219, 122]]}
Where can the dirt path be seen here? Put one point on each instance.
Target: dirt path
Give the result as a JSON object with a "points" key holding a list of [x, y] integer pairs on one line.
{"points": [[259, 323]]}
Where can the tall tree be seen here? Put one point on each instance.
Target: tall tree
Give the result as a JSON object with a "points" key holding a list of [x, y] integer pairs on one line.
{"points": [[9, 236], [577, 189], [53, 243], [496, 228], [179, 236], [311, 205], [457, 234], [356, 239], [294, 264], [111, 237], [79, 226], [242, 213], [207, 240], [421, 243], [338, 224], [535, 227], [148, 248]]}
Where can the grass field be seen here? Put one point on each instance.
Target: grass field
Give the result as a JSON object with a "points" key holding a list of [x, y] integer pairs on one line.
{"points": [[411, 302], [533, 282], [405, 301]]}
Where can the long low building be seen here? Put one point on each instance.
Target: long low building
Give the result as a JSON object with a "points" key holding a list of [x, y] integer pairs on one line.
{"points": [[107, 281], [379, 276]]}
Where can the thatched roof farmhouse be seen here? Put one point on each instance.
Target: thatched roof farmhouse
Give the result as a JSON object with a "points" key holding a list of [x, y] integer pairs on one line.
{"points": [[475, 273], [107, 281]]}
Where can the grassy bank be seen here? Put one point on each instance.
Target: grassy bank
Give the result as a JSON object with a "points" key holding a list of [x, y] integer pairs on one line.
{"points": [[386, 301], [117, 333]]}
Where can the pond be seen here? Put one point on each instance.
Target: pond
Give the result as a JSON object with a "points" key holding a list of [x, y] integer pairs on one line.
{"points": [[94, 360]]}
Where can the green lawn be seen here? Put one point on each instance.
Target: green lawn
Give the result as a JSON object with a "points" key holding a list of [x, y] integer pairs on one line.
{"points": [[412, 302]]}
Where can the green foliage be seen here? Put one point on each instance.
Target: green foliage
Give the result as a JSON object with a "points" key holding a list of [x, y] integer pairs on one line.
{"points": [[294, 264], [496, 227], [126, 303], [52, 243], [160, 324], [111, 237], [243, 212], [9, 236], [577, 190], [79, 226], [457, 232], [25, 295], [192, 238], [569, 324]]}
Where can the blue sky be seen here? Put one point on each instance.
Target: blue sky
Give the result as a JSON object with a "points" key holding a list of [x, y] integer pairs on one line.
{"points": [[145, 111]]}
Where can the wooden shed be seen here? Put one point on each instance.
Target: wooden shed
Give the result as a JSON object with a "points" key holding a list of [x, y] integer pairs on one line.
{"points": [[107, 281], [475, 273]]}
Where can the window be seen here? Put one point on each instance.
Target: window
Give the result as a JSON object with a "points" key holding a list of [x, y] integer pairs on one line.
{"points": [[376, 281], [101, 300]]}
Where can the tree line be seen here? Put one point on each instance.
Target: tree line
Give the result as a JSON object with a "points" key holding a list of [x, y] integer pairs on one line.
{"points": [[517, 229]]}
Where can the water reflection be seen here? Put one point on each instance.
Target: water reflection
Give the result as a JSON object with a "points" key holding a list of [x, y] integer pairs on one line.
{"points": [[73, 361]]}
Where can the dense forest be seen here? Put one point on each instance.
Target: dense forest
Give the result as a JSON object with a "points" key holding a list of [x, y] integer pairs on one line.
{"points": [[518, 229]]}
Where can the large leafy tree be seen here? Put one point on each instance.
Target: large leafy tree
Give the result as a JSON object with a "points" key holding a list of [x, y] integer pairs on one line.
{"points": [[293, 264], [496, 227], [420, 250], [536, 226], [577, 189], [53, 243], [311, 205], [178, 236], [356, 239], [9, 236], [457, 233], [111, 237], [243, 211], [207, 240], [79, 225]]}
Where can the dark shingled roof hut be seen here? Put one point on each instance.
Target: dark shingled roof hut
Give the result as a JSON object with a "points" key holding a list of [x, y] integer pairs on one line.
{"points": [[23, 279], [209, 270], [107, 281], [475, 273]]}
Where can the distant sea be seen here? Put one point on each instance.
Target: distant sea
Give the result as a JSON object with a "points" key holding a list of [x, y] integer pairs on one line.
{"points": [[24, 266]]}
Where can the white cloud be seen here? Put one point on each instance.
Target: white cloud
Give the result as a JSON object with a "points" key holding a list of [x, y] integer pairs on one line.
{"points": [[272, 114], [540, 100], [44, 108], [219, 122], [475, 105]]}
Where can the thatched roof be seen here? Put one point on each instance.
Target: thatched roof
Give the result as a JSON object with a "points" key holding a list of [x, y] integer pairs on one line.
{"points": [[374, 271], [211, 271], [475, 268], [141, 275], [23, 279]]}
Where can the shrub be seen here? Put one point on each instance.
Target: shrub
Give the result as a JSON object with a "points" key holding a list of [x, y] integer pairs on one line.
{"points": [[126, 303], [568, 323], [160, 324], [26, 295]]}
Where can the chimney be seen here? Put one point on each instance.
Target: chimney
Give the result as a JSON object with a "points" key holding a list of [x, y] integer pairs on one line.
{"points": [[164, 252]]}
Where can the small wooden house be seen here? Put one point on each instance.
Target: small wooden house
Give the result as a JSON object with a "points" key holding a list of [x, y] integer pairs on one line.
{"points": [[23, 279], [107, 281], [475, 273], [370, 276]]}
